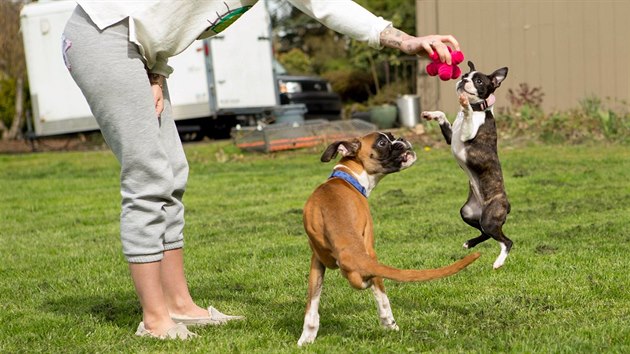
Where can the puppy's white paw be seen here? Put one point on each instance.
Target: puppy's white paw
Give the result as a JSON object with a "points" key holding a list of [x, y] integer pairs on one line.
{"points": [[307, 338], [498, 263], [389, 324], [465, 245], [310, 328]]}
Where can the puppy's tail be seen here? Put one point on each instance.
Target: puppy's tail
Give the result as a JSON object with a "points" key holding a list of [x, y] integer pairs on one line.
{"points": [[411, 275]]}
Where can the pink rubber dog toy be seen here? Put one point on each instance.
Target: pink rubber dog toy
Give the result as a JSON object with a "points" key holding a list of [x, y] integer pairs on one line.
{"points": [[445, 71]]}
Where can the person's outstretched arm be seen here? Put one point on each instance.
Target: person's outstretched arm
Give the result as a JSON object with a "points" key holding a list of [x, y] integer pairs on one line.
{"points": [[394, 38], [351, 19]]}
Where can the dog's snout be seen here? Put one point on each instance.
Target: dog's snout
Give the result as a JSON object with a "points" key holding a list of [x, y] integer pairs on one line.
{"points": [[402, 143]]}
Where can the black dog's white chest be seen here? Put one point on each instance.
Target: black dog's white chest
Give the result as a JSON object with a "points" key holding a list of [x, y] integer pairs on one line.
{"points": [[465, 129]]}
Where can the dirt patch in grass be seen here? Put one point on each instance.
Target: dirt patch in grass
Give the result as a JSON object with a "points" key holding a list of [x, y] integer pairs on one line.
{"points": [[69, 142], [94, 141]]}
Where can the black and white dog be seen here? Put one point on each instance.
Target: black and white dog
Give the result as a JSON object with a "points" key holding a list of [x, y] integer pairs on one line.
{"points": [[473, 140]]}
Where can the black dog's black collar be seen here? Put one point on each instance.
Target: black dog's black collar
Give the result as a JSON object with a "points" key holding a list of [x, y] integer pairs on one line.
{"points": [[479, 107], [483, 105]]}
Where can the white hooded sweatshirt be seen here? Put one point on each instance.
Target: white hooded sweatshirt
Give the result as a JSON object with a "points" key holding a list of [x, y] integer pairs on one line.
{"points": [[164, 28]]}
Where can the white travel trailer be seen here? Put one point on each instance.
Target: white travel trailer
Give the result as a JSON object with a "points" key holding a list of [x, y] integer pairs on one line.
{"points": [[214, 83]]}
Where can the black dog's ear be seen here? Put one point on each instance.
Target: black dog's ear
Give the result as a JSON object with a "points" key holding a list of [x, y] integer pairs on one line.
{"points": [[345, 148], [471, 65], [498, 76]]}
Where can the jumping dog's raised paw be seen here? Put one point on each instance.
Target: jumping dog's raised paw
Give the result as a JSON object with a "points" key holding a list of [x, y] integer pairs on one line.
{"points": [[463, 100], [433, 115], [427, 115]]}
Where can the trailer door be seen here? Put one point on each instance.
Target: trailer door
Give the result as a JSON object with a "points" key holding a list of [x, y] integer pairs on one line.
{"points": [[240, 63]]}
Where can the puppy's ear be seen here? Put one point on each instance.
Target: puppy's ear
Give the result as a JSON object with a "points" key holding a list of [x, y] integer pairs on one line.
{"points": [[345, 148], [471, 65], [498, 76]]}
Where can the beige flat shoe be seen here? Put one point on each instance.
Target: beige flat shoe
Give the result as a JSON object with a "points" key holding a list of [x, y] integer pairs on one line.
{"points": [[216, 318], [179, 331]]}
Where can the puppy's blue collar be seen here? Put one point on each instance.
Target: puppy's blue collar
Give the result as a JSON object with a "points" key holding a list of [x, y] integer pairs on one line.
{"points": [[350, 179]]}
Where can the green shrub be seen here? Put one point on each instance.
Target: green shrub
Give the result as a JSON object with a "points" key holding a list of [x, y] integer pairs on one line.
{"points": [[296, 62], [594, 120], [388, 93], [351, 84], [7, 100]]}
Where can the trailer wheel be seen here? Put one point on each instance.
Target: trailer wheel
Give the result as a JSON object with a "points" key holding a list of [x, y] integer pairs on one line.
{"points": [[219, 128]]}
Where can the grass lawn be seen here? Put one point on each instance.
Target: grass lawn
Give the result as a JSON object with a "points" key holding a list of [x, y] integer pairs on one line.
{"points": [[64, 285]]}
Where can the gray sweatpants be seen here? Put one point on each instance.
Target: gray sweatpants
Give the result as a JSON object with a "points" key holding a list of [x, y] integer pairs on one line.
{"points": [[112, 75]]}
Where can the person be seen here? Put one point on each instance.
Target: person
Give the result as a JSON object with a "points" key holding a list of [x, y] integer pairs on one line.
{"points": [[117, 52]]}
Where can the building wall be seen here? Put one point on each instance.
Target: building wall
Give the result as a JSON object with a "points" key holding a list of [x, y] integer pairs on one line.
{"points": [[570, 49]]}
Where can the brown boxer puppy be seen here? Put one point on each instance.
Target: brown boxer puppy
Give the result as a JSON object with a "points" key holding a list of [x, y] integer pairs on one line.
{"points": [[339, 225]]}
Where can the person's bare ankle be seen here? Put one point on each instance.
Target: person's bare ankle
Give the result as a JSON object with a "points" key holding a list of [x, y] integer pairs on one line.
{"points": [[191, 310]]}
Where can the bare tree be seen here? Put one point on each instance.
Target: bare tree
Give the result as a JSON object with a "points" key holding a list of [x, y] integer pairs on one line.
{"points": [[12, 62]]}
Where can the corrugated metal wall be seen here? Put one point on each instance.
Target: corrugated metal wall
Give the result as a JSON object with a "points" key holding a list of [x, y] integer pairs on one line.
{"points": [[571, 49]]}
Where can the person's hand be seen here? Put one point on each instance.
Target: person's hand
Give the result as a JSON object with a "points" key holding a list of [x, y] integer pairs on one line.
{"points": [[157, 83], [158, 99], [429, 44], [426, 45]]}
